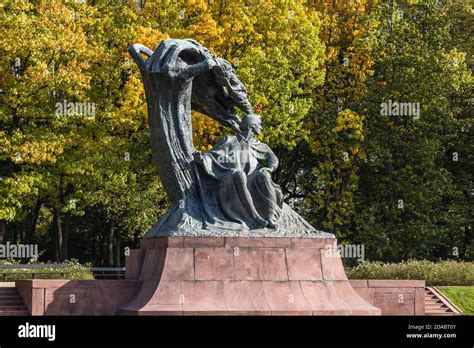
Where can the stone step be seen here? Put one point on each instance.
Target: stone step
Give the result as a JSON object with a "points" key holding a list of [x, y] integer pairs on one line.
{"points": [[13, 313], [12, 301], [7, 290], [10, 296], [440, 313], [436, 307], [430, 301], [439, 310], [12, 307]]}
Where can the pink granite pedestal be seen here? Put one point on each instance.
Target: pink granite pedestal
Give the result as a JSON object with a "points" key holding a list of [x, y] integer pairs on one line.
{"points": [[241, 276]]}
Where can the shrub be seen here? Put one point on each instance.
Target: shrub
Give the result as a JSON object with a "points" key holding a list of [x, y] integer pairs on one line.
{"points": [[434, 273], [72, 270]]}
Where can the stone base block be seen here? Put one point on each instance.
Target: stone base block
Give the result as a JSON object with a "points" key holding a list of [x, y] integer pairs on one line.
{"points": [[393, 297], [76, 297], [241, 276]]}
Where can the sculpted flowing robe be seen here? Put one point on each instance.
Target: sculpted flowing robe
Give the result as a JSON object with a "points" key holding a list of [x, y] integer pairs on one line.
{"points": [[235, 167]]}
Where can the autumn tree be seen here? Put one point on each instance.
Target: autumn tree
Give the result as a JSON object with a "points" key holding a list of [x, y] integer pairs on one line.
{"points": [[406, 191]]}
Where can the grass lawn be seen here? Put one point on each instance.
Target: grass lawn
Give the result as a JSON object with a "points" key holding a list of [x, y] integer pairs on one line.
{"points": [[461, 296]]}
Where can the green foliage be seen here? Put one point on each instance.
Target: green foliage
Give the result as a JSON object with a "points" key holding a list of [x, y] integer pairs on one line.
{"points": [[58, 166], [390, 182], [404, 204], [434, 273], [461, 296]]}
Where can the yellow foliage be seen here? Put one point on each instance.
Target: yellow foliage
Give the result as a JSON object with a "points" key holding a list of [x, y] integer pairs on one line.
{"points": [[349, 120]]}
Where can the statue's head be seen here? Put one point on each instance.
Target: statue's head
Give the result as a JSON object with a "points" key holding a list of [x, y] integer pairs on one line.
{"points": [[252, 122]]}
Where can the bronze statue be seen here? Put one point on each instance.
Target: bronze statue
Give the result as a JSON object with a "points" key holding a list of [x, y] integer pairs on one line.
{"points": [[227, 191]]}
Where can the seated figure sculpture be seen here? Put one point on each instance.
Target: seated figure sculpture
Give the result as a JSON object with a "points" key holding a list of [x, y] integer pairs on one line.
{"points": [[242, 165]]}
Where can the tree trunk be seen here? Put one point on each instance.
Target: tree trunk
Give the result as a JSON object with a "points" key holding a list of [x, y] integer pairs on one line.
{"points": [[468, 237], [118, 252], [65, 235], [58, 235], [94, 246], [110, 243], [33, 219], [3, 230], [103, 247], [136, 239], [15, 235]]}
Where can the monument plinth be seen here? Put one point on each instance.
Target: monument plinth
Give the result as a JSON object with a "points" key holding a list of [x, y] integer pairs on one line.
{"points": [[241, 276]]}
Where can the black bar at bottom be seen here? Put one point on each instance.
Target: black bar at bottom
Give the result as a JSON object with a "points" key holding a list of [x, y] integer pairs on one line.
{"points": [[429, 331]]}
